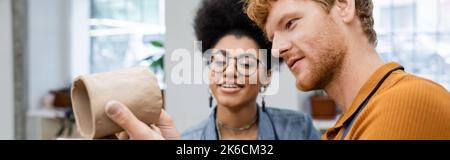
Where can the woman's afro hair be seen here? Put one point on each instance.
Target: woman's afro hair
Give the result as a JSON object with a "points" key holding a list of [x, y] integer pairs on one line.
{"points": [[218, 18]]}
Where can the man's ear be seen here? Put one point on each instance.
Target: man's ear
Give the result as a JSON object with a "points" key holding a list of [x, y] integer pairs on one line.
{"points": [[346, 9]]}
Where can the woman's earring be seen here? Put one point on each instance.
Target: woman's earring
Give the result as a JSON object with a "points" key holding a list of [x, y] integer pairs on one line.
{"points": [[263, 97], [210, 99]]}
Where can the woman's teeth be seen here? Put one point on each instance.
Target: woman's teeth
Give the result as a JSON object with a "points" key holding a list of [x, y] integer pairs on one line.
{"points": [[230, 86]]}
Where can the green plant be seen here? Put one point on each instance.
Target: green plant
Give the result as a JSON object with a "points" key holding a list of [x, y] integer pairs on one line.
{"points": [[156, 61]]}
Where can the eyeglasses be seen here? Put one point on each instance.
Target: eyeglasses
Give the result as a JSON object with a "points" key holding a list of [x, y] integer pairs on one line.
{"points": [[246, 63]]}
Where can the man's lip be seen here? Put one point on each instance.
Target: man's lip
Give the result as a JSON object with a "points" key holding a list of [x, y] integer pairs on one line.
{"points": [[292, 61]]}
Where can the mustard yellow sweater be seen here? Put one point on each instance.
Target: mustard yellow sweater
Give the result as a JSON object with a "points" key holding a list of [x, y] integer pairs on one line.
{"points": [[404, 107]]}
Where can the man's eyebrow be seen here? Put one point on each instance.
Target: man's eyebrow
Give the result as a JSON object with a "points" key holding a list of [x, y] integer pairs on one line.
{"points": [[284, 16]]}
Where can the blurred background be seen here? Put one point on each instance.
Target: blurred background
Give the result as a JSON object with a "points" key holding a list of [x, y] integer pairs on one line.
{"points": [[45, 44]]}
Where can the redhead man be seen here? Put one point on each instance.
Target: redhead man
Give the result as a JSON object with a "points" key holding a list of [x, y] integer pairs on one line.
{"points": [[330, 45]]}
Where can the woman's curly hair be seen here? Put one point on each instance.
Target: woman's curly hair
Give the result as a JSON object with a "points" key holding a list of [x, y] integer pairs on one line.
{"points": [[218, 18]]}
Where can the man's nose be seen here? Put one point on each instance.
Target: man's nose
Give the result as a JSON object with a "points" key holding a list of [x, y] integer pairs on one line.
{"points": [[280, 45]]}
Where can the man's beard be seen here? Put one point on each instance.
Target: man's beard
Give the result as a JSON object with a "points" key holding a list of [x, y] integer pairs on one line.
{"points": [[328, 51], [325, 67]]}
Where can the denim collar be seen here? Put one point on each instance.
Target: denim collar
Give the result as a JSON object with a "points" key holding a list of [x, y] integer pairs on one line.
{"points": [[266, 130]]}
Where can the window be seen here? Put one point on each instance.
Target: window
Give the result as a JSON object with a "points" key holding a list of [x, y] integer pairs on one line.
{"points": [[125, 33], [415, 33]]}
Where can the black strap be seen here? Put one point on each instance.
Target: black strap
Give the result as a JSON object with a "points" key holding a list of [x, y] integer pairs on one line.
{"points": [[352, 118]]}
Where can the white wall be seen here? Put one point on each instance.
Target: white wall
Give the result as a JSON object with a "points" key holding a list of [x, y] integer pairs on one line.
{"points": [[188, 104], [47, 40], [78, 39], [6, 70], [47, 53]]}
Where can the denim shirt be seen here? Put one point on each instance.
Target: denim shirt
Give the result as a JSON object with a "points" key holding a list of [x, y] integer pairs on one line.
{"points": [[273, 124]]}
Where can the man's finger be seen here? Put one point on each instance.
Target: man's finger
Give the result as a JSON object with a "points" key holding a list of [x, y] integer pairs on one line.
{"points": [[155, 128], [123, 117], [164, 119], [123, 136], [167, 127]]}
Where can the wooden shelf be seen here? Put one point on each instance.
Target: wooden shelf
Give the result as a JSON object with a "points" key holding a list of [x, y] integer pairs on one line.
{"points": [[47, 113]]}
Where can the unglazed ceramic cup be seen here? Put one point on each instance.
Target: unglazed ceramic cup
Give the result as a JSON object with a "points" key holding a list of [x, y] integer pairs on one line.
{"points": [[137, 88]]}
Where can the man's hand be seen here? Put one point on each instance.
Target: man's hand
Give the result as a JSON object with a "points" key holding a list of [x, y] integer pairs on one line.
{"points": [[134, 129]]}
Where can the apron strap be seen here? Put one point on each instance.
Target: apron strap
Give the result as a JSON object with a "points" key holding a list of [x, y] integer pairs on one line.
{"points": [[348, 124]]}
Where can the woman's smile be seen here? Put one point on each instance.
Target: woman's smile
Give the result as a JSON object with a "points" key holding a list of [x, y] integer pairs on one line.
{"points": [[230, 88]]}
